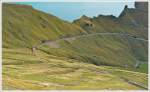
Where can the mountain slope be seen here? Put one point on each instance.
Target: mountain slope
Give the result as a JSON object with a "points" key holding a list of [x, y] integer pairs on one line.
{"points": [[27, 26], [136, 19], [124, 51], [133, 21], [117, 47], [100, 51]]}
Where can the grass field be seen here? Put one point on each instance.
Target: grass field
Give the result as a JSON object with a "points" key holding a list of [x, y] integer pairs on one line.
{"points": [[22, 70]]}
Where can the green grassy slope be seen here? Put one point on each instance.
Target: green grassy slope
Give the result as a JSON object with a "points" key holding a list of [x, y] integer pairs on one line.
{"points": [[27, 26], [21, 70], [123, 51]]}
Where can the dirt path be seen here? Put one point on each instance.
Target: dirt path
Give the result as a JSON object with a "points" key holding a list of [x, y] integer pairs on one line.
{"points": [[55, 44], [134, 83]]}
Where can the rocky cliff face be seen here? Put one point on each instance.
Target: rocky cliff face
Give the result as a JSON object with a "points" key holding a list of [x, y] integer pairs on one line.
{"points": [[136, 19], [137, 15], [141, 6]]}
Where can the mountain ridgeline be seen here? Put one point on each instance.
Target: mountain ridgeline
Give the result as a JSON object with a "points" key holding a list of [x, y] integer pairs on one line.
{"points": [[103, 40], [132, 21]]}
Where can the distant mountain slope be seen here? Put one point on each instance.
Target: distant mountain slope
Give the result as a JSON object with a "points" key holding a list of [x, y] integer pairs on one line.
{"points": [[24, 26], [132, 20], [136, 19]]}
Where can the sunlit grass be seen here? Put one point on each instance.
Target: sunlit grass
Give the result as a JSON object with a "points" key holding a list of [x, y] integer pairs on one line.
{"points": [[56, 73]]}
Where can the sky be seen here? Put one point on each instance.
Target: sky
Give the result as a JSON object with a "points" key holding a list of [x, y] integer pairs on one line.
{"points": [[73, 10]]}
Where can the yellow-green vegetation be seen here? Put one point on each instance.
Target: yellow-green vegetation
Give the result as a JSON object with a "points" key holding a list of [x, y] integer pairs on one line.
{"points": [[22, 70], [92, 53], [96, 49], [27, 26]]}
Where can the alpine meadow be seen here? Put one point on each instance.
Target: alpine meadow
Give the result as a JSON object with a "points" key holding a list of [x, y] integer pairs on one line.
{"points": [[43, 52]]}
